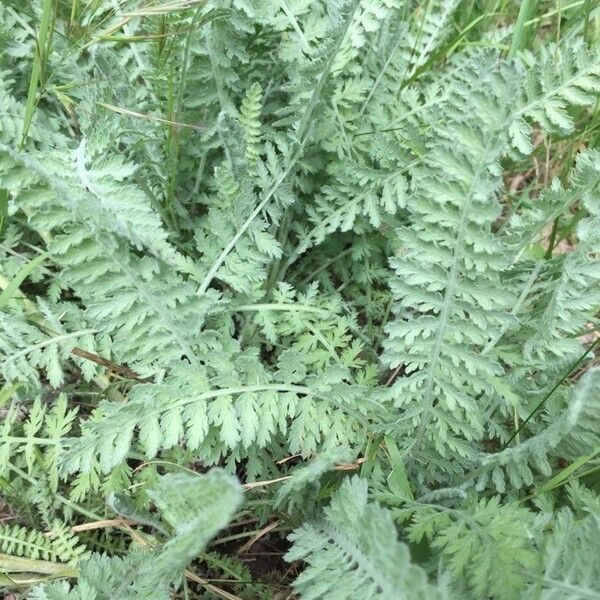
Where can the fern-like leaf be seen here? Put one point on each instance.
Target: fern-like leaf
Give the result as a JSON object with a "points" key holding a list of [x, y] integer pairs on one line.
{"points": [[194, 507], [354, 553], [487, 547], [559, 79], [448, 289], [59, 545], [570, 434]]}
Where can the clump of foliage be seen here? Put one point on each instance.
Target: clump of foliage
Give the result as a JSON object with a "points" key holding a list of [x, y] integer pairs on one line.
{"points": [[299, 299]]}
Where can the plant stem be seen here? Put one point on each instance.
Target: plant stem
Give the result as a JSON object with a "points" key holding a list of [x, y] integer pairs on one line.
{"points": [[541, 403], [552, 240]]}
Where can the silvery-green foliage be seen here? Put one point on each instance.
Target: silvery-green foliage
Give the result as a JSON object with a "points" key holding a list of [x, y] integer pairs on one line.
{"points": [[194, 508], [353, 552], [280, 238]]}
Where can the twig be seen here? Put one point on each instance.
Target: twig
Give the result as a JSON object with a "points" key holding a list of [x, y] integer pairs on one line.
{"points": [[284, 460], [350, 466], [393, 375], [95, 525], [257, 537], [255, 484], [120, 369]]}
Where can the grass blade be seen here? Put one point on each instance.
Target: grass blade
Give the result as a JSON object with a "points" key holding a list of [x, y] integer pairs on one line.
{"points": [[519, 39], [398, 479], [18, 279], [43, 45], [562, 477]]}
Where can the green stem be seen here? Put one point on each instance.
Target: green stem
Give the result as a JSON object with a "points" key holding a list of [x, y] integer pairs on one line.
{"points": [[552, 240]]}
